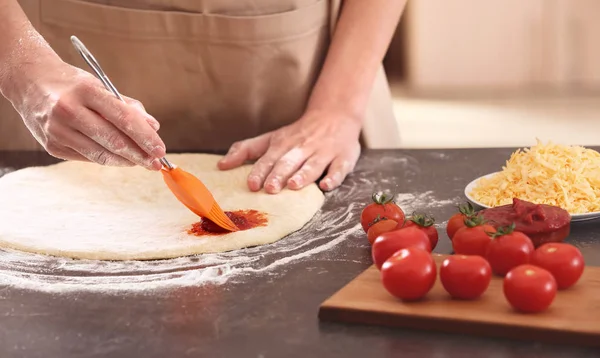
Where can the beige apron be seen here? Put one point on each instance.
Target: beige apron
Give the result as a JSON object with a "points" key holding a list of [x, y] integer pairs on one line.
{"points": [[211, 71]]}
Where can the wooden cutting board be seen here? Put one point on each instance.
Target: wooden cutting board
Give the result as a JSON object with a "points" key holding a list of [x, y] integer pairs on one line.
{"points": [[573, 317]]}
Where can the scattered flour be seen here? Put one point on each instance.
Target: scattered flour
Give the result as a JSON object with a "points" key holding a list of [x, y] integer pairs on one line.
{"points": [[329, 228], [6, 170], [337, 222], [439, 155], [410, 202]]}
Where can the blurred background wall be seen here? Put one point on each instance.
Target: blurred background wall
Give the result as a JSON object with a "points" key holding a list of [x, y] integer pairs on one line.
{"points": [[473, 73]]}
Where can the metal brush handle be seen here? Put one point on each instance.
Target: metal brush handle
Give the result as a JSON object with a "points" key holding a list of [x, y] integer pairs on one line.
{"points": [[93, 63]]}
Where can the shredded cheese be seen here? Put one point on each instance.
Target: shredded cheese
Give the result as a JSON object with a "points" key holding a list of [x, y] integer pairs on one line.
{"points": [[553, 174]]}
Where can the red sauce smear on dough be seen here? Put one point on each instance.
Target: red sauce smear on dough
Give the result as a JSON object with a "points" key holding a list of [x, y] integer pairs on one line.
{"points": [[243, 219], [542, 223]]}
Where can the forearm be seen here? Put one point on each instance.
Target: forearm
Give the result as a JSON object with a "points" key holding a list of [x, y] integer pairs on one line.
{"points": [[362, 36], [20, 46]]}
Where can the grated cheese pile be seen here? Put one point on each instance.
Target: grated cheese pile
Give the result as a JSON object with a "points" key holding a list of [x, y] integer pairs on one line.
{"points": [[553, 174]]}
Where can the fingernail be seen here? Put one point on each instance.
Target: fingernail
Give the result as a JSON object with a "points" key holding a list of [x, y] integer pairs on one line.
{"points": [[275, 186], [296, 180], [254, 183], [327, 183], [153, 123], [158, 152], [155, 165]]}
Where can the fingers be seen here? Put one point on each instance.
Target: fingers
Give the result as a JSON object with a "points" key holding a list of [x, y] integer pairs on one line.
{"points": [[339, 170], [65, 153], [53, 134], [138, 105], [70, 154], [126, 119], [240, 152], [264, 166], [76, 146], [111, 139], [310, 171], [94, 152], [283, 169]]}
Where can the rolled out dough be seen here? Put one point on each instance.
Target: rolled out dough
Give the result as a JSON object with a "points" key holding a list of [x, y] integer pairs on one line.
{"points": [[88, 211]]}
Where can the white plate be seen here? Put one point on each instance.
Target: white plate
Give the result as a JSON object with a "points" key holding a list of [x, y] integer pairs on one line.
{"points": [[478, 205]]}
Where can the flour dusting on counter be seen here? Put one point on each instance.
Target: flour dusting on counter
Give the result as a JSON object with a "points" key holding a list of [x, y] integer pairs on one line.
{"points": [[6, 170], [410, 202], [335, 225], [329, 228], [439, 155]]}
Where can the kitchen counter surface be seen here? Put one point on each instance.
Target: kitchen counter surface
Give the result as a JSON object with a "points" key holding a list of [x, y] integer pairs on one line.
{"points": [[269, 309]]}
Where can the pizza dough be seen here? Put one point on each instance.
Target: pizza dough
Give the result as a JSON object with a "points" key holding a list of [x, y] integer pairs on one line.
{"points": [[88, 211]]}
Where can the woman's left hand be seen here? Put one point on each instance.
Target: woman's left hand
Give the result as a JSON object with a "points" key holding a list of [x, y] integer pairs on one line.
{"points": [[298, 154]]}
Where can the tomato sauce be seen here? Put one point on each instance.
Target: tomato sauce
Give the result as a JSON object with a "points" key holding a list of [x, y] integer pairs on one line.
{"points": [[542, 223], [243, 219]]}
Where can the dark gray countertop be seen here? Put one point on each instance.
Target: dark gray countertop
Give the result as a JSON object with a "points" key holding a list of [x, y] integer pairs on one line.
{"points": [[270, 314]]}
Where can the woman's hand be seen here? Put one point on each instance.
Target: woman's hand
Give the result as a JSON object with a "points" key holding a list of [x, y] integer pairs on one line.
{"points": [[298, 154], [74, 117], [67, 109], [327, 135]]}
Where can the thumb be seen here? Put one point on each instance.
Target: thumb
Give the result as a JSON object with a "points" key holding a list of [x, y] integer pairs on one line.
{"points": [[140, 107], [249, 149]]}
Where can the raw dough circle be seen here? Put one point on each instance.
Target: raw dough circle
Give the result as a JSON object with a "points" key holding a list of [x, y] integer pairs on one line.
{"points": [[87, 211]]}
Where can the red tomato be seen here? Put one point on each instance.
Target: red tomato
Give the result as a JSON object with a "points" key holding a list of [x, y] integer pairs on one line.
{"points": [[472, 239], [465, 277], [380, 227], [409, 274], [425, 223], [529, 288], [381, 208], [565, 262], [391, 242], [508, 250], [457, 221]]}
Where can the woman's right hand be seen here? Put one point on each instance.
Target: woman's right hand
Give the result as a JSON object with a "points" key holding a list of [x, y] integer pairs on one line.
{"points": [[74, 117]]}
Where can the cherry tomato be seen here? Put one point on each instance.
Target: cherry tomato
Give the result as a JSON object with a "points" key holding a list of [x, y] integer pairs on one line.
{"points": [[380, 227], [508, 250], [565, 262], [465, 277], [409, 274], [382, 207], [529, 288], [473, 239], [391, 242], [457, 221], [425, 223]]}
